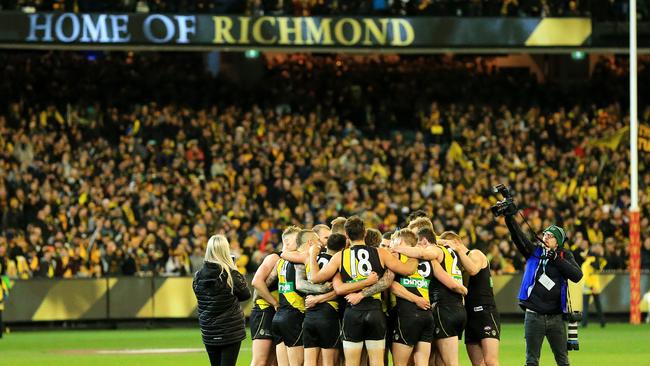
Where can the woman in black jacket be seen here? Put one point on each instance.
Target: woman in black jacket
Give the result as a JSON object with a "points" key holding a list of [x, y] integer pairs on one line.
{"points": [[219, 288]]}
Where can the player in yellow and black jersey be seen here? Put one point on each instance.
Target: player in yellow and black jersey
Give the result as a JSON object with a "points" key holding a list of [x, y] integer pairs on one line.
{"points": [[265, 283], [413, 325], [321, 328], [287, 322], [320, 293], [448, 311], [483, 328], [363, 322], [412, 322]]}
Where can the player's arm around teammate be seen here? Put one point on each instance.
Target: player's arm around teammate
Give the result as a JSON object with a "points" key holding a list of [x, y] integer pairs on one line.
{"points": [[264, 271], [449, 314], [308, 288], [412, 322], [399, 291], [321, 327], [381, 285], [397, 266], [443, 277], [320, 275], [342, 289], [287, 322], [434, 254], [429, 252], [332, 267]]}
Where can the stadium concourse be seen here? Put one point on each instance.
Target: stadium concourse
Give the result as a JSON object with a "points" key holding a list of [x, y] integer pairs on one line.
{"points": [[109, 176]]}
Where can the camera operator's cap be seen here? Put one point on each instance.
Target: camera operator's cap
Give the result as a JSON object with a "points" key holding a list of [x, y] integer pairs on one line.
{"points": [[558, 233]]}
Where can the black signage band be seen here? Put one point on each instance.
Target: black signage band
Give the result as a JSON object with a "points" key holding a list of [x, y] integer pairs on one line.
{"points": [[164, 30]]}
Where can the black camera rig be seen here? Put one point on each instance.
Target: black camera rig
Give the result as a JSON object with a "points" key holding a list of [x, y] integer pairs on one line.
{"points": [[502, 207]]}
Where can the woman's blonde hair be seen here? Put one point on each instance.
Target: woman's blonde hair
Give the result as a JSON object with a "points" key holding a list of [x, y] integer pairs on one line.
{"points": [[218, 251]]}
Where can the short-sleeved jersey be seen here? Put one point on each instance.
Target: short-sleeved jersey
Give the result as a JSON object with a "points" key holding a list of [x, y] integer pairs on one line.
{"points": [[441, 293], [357, 262], [417, 283], [322, 259], [289, 296]]}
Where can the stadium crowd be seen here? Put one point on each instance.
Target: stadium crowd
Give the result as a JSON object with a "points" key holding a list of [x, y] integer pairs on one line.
{"points": [[133, 181], [601, 9]]}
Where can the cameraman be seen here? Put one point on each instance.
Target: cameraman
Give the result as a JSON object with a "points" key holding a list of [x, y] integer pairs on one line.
{"points": [[543, 293]]}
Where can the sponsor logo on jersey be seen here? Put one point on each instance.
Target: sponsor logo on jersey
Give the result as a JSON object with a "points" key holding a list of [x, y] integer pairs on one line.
{"points": [[414, 282], [286, 287]]}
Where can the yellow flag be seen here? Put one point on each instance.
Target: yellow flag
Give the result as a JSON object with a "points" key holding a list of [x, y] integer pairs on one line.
{"points": [[611, 141], [437, 130], [455, 154]]}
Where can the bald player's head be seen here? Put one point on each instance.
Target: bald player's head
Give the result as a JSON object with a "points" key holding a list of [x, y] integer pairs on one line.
{"points": [[323, 231], [289, 237], [306, 237]]}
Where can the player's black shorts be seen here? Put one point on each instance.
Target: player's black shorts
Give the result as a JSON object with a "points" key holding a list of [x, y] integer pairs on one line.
{"points": [[482, 322], [412, 327], [448, 320], [287, 327], [365, 324], [321, 328], [261, 321]]}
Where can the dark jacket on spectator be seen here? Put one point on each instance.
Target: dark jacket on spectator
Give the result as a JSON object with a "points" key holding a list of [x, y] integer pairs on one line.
{"points": [[220, 316], [563, 267]]}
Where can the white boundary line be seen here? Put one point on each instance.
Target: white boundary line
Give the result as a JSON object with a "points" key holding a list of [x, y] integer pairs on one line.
{"points": [[143, 351]]}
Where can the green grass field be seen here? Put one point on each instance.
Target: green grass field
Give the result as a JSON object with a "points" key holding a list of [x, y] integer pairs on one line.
{"points": [[618, 344]]}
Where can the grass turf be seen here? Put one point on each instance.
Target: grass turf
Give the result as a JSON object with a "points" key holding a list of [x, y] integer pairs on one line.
{"points": [[618, 344]]}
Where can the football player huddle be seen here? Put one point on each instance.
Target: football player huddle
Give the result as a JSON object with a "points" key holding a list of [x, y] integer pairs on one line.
{"points": [[347, 295]]}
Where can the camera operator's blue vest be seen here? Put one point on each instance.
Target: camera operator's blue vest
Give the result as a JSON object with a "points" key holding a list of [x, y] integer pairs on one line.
{"points": [[532, 264]]}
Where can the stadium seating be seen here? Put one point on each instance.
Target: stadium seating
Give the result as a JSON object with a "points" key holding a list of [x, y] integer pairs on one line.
{"points": [[126, 171]]}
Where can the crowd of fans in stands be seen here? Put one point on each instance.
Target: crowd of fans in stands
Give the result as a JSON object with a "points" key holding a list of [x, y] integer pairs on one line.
{"points": [[601, 9], [126, 180]]}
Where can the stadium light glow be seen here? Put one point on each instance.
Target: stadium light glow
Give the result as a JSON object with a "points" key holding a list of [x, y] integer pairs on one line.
{"points": [[252, 54], [578, 55]]}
